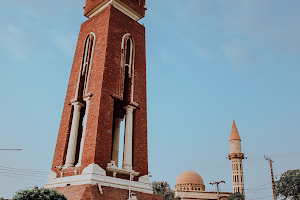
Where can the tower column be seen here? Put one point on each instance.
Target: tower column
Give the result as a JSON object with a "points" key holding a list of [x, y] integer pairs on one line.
{"points": [[116, 141], [128, 137], [87, 101], [73, 135]]}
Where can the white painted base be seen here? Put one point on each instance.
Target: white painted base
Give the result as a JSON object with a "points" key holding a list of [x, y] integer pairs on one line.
{"points": [[98, 177]]}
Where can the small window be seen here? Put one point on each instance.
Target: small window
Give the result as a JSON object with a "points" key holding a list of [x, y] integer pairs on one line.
{"points": [[129, 52]]}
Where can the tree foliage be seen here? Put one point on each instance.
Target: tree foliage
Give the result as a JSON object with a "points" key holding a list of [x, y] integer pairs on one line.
{"points": [[236, 196], [163, 188], [39, 194], [289, 184]]}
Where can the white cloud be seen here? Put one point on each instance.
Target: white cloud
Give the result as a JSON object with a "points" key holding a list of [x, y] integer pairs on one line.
{"points": [[205, 54], [65, 43], [16, 42], [267, 22], [237, 53], [58, 10]]}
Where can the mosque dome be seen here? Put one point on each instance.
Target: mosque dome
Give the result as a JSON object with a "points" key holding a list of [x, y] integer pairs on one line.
{"points": [[189, 180]]}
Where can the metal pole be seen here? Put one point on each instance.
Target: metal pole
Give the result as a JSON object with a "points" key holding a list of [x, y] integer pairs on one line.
{"points": [[272, 177], [218, 191], [130, 183], [11, 149], [218, 182]]}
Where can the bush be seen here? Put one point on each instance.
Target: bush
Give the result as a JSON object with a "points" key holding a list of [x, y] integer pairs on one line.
{"points": [[39, 194], [236, 196]]}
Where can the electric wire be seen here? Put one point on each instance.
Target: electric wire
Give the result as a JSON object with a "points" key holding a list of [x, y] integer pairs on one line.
{"points": [[21, 174], [25, 170], [20, 177]]}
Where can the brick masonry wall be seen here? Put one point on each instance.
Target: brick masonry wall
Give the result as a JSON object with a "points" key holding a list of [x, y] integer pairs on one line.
{"points": [[120, 24], [91, 192], [109, 27], [98, 25], [137, 5]]}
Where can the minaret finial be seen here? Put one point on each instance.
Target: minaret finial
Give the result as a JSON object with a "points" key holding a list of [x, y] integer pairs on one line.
{"points": [[234, 132]]}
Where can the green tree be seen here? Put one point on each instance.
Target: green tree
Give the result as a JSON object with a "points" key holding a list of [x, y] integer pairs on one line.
{"points": [[39, 194], [289, 184], [236, 196], [163, 188]]}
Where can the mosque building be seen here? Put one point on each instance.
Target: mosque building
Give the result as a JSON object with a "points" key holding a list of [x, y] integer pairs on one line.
{"points": [[190, 185]]}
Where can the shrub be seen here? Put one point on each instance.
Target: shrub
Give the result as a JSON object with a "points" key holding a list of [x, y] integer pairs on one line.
{"points": [[39, 194]]}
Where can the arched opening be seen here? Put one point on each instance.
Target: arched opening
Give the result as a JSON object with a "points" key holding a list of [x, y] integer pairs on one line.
{"points": [[80, 107], [128, 71], [122, 151]]}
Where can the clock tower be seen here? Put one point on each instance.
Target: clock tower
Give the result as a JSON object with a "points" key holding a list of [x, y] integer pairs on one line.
{"points": [[107, 85]]}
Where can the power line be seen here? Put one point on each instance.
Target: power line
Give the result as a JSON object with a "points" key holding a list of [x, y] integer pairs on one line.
{"points": [[25, 170], [20, 174], [252, 159], [258, 186], [20, 177]]}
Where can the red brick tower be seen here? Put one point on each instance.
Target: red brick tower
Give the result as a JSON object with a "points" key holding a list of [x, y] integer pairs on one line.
{"points": [[107, 84]]}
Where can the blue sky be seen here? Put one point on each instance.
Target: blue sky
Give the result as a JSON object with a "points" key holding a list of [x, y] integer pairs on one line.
{"points": [[207, 62]]}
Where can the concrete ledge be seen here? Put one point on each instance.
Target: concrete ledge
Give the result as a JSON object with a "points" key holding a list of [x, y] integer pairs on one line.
{"points": [[102, 180]]}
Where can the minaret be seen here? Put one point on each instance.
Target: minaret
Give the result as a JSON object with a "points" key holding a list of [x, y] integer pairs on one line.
{"points": [[107, 85], [236, 156]]}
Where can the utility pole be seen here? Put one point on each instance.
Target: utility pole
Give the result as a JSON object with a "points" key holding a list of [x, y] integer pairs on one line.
{"points": [[218, 182], [273, 183]]}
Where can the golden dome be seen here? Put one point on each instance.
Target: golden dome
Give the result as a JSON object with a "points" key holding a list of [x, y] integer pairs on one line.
{"points": [[189, 177]]}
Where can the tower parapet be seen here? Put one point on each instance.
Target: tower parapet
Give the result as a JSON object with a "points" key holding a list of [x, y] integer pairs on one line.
{"points": [[132, 8]]}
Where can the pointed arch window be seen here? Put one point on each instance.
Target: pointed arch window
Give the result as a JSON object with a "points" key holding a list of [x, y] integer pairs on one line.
{"points": [[80, 107], [85, 66], [129, 54], [123, 106], [127, 69]]}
